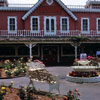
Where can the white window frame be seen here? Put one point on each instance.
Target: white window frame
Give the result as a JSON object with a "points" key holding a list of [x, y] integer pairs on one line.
{"points": [[97, 25], [67, 31], [88, 31], [38, 31], [9, 17], [50, 17]]}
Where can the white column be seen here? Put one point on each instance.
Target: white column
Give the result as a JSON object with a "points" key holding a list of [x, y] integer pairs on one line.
{"points": [[75, 53], [30, 47]]}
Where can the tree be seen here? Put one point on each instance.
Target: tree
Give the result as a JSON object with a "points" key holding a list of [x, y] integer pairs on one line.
{"points": [[76, 41]]}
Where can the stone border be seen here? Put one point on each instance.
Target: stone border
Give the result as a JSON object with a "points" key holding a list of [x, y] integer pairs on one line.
{"points": [[12, 77], [83, 80]]}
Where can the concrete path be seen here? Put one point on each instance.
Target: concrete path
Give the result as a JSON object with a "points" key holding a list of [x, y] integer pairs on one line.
{"points": [[89, 91]]}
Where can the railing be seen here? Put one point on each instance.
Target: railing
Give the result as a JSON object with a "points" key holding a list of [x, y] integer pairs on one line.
{"points": [[30, 5], [20, 5], [28, 33]]}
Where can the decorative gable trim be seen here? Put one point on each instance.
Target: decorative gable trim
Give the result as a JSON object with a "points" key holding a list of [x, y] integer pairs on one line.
{"points": [[66, 9], [32, 9], [58, 1], [49, 2]]}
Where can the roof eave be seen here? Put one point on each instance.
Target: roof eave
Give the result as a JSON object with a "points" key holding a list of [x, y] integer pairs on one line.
{"points": [[67, 10], [33, 8]]}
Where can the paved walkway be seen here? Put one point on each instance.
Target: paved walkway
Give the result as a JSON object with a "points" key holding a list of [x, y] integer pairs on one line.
{"points": [[89, 91]]}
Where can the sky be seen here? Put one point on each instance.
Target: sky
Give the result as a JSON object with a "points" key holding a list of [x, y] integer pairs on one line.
{"points": [[67, 2]]}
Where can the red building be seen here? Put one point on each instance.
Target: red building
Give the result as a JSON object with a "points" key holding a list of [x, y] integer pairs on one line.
{"points": [[48, 24]]}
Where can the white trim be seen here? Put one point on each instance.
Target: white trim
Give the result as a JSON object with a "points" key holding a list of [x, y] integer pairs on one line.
{"points": [[97, 25], [66, 9], [49, 3], [32, 31], [58, 1], [87, 32], [32, 9], [14, 8], [67, 31], [85, 10], [15, 17], [50, 17]]}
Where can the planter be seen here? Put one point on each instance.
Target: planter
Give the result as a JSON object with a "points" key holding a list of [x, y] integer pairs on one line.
{"points": [[84, 68], [83, 79]]}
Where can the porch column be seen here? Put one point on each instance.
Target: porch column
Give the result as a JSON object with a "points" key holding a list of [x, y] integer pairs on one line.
{"points": [[75, 53], [16, 51], [30, 46]]}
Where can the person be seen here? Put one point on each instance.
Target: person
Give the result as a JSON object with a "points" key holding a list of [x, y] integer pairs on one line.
{"points": [[98, 53]]}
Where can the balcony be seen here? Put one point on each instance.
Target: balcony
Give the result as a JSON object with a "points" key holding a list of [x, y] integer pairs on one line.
{"points": [[27, 33], [25, 36]]}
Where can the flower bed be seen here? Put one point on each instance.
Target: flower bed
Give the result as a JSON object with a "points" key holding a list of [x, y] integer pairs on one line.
{"points": [[84, 74], [19, 94], [10, 69], [30, 93]]}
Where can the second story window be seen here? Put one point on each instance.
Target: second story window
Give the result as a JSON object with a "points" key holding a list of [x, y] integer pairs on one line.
{"points": [[12, 24], [98, 25], [35, 26], [64, 24], [85, 25]]}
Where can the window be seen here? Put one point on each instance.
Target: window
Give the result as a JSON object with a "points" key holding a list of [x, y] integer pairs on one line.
{"points": [[98, 25], [85, 25], [12, 24], [35, 25], [64, 24], [50, 25]]}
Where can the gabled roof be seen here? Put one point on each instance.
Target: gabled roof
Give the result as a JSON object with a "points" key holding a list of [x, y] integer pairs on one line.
{"points": [[89, 10], [14, 8], [58, 1]]}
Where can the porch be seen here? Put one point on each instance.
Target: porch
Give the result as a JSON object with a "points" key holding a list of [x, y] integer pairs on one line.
{"points": [[50, 54]]}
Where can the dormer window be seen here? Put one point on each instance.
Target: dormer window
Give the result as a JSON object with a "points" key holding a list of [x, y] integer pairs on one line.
{"points": [[49, 2]]}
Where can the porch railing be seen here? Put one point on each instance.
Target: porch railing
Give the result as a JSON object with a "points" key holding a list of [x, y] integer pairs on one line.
{"points": [[28, 33]]}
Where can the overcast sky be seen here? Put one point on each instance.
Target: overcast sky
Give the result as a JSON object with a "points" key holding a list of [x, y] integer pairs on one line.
{"points": [[67, 2]]}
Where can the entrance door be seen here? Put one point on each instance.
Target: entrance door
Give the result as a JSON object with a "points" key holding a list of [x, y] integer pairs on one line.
{"points": [[50, 25], [50, 54]]}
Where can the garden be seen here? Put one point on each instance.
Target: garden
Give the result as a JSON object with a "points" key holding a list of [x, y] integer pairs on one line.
{"points": [[34, 70], [30, 93]]}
